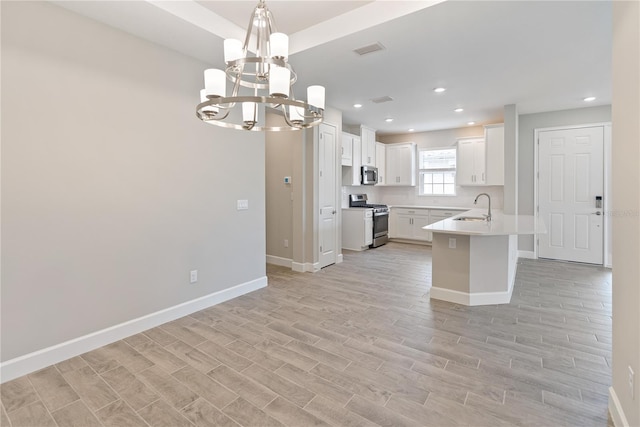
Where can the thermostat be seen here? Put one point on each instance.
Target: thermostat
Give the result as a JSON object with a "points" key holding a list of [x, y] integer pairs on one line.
{"points": [[287, 180]]}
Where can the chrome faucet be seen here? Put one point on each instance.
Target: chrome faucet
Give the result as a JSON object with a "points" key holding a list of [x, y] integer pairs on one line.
{"points": [[475, 202]]}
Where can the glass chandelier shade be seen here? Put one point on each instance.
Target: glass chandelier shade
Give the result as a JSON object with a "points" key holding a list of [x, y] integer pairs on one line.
{"points": [[259, 77]]}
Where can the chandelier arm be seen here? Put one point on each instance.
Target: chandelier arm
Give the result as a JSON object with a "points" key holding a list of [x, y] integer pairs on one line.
{"points": [[286, 119]]}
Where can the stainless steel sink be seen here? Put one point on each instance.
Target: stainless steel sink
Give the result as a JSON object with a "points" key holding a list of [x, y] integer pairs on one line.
{"points": [[469, 218]]}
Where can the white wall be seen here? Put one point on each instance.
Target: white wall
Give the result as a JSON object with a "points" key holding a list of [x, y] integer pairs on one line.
{"points": [[626, 211], [526, 147], [112, 190]]}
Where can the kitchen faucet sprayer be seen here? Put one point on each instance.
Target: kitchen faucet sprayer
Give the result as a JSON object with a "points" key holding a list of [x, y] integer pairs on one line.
{"points": [[475, 202]]}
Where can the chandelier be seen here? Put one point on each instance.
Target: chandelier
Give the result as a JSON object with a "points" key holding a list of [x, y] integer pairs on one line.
{"points": [[260, 79]]}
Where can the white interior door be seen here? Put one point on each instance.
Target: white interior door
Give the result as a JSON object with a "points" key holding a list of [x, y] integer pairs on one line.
{"points": [[571, 178], [327, 193]]}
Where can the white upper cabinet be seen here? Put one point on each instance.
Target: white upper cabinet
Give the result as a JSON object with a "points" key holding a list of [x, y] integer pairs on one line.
{"points": [[351, 173], [401, 164], [471, 161], [381, 160], [481, 160], [347, 149], [368, 140], [494, 138]]}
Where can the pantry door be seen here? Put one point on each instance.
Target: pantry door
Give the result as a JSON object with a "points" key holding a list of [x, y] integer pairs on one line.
{"points": [[570, 194], [327, 191]]}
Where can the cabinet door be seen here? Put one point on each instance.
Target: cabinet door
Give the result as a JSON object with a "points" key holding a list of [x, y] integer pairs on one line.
{"points": [[368, 137], [479, 166], [381, 158], [464, 168], [401, 168], [368, 231], [471, 162], [494, 139], [404, 227], [347, 149], [418, 232]]}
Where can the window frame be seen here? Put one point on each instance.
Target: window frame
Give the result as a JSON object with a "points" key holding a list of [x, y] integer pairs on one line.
{"points": [[423, 171]]}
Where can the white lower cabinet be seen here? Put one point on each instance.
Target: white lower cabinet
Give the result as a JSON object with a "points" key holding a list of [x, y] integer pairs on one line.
{"points": [[407, 223], [357, 228]]}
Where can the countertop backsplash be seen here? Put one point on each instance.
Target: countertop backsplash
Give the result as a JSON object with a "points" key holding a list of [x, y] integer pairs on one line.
{"points": [[391, 195]]}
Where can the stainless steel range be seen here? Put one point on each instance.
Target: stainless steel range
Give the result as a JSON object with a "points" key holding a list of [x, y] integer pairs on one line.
{"points": [[380, 218]]}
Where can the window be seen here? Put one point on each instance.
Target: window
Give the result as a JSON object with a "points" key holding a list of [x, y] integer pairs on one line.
{"points": [[437, 172]]}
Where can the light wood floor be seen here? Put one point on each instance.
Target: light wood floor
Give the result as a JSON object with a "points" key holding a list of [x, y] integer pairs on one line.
{"points": [[355, 344]]}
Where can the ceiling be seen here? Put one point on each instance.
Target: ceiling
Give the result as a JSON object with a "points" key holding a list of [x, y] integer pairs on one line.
{"points": [[539, 55]]}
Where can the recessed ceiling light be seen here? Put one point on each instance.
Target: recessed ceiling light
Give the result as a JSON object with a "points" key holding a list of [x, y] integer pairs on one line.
{"points": [[411, 130], [589, 99], [471, 123], [439, 89], [459, 110], [388, 120], [357, 105]]}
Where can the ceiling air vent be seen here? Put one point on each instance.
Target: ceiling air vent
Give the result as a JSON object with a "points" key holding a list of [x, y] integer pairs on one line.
{"points": [[382, 99], [369, 49]]}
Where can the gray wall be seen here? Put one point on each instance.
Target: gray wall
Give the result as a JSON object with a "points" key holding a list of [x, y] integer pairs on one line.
{"points": [[280, 151], [294, 154], [112, 190], [626, 204], [526, 147]]}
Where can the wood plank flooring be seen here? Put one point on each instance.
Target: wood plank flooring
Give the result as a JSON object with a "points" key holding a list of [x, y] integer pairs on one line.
{"points": [[356, 344]]}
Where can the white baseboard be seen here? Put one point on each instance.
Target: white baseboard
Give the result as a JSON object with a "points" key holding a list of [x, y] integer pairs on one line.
{"points": [[615, 409], [340, 259], [298, 266], [465, 298], [527, 254], [302, 267], [276, 260], [31, 362]]}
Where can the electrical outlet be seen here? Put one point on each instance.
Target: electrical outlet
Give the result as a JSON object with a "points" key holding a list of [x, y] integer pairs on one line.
{"points": [[631, 379], [193, 276], [452, 243], [286, 243]]}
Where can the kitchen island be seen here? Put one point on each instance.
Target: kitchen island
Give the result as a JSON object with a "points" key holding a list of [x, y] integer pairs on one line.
{"points": [[474, 260]]}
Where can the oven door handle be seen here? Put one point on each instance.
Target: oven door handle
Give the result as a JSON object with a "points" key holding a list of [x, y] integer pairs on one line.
{"points": [[381, 214]]}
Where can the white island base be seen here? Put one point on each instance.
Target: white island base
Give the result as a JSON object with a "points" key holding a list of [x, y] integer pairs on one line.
{"points": [[480, 270], [474, 262]]}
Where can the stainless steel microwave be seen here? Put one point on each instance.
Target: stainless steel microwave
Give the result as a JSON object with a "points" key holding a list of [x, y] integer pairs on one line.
{"points": [[369, 175]]}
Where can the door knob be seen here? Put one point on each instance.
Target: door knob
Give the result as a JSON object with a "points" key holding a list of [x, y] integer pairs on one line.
{"points": [[598, 213]]}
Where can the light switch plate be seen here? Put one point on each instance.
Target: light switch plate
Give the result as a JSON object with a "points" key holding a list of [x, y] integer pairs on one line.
{"points": [[242, 205]]}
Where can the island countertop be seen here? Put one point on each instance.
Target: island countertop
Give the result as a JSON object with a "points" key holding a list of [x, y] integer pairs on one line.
{"points": [[499, 225]]}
